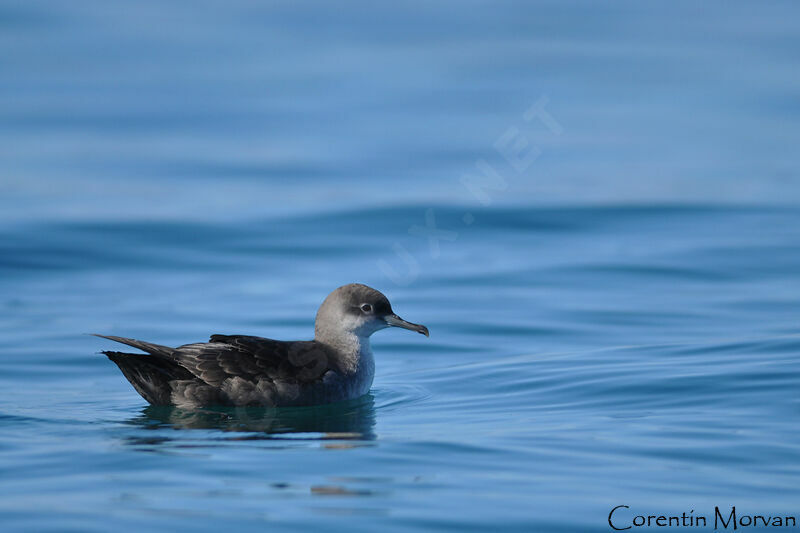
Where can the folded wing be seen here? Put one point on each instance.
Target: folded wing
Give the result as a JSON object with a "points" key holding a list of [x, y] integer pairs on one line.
{"points": [[253, 359]]}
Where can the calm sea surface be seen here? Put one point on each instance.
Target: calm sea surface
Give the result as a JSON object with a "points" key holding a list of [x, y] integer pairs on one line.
{"points": [[613, 290]]}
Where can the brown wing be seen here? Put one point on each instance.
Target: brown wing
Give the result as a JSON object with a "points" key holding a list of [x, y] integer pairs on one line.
{"points": [[253, 359]]}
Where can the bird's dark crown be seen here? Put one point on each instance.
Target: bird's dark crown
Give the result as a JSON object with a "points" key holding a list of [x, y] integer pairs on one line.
{"points": [[356, 294]]}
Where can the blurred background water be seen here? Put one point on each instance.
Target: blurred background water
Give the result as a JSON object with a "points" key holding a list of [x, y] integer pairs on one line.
{"points": [[611, 291]]}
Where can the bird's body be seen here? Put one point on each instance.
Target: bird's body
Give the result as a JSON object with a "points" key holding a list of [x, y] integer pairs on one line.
{"points": [[244, 370]]}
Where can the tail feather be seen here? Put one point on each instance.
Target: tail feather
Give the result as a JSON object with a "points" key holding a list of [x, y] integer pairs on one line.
{"points": [[150, 376], [149, 347]]}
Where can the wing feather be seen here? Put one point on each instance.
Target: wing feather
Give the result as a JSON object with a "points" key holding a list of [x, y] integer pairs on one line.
{"points": [[253, 359]]}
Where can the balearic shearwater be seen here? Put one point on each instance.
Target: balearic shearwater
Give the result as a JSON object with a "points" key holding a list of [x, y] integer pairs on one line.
{"points": [[242, 370]]}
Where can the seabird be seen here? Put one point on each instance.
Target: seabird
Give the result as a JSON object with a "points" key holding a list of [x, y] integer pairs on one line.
{"points": [[243, 370]]}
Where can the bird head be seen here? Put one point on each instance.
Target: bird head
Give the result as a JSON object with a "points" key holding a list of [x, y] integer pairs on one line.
{"points": [[359, 310]]}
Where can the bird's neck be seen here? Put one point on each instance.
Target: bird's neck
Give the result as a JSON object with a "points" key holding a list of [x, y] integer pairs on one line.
{"points": [[351, 352]]}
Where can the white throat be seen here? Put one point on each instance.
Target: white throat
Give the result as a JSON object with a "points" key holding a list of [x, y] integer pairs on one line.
{"points": [[364, 369]]}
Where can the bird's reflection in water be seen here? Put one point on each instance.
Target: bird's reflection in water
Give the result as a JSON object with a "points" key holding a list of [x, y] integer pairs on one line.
{"points": [[344, 422]]}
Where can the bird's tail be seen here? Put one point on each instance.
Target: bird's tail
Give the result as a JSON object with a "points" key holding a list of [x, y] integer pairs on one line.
{"points": [[149, 347], [150, 376]]}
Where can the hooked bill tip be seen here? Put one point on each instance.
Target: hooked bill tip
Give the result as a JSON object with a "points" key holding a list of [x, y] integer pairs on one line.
{"points": [[396, 321]]}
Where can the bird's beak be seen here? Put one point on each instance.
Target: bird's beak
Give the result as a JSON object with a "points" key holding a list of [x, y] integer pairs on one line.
{"points": [[397, 322]]}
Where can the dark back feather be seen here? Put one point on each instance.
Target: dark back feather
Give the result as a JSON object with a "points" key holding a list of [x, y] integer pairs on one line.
{"points": [[253, 359]]}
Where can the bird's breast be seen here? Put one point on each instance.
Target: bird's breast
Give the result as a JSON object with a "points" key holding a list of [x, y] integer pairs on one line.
{"points": [[365, 372]]}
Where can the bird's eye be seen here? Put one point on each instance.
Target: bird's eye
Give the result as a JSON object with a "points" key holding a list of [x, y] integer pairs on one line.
{"points": [[366, 308]]}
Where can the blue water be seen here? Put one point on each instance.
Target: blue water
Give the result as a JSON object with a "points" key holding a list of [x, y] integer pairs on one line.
{"points": [[613, 307]]}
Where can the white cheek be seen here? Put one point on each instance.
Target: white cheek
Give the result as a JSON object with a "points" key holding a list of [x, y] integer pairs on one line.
{"points": [[364, 326]]}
